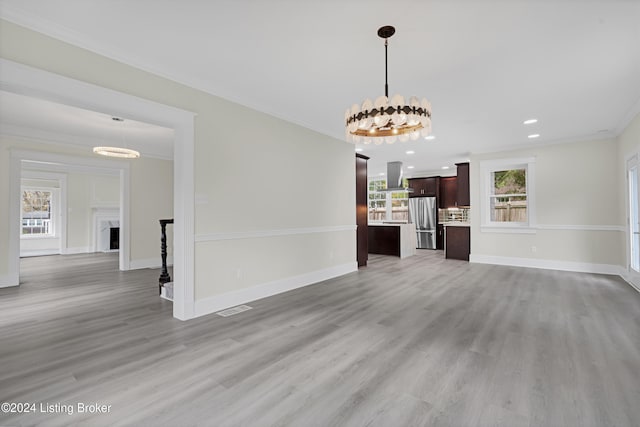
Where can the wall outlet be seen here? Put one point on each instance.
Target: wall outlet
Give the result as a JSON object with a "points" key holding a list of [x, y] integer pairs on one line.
{"points": [[534, 249], [238, 273], [330, 254]]}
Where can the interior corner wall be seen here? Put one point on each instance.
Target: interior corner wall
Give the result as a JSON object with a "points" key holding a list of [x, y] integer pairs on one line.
{"points": [[260, 182], [578, 210]]}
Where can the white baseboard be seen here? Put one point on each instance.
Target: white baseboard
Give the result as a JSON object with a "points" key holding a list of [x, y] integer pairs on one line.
{"points": [[582, 267], [7, 281], [77, 250], [137, 264], [231, 299], [38, 252]]}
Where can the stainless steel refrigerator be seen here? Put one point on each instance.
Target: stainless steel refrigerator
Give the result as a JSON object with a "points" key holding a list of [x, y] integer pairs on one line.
{"points": [[422, 212]]}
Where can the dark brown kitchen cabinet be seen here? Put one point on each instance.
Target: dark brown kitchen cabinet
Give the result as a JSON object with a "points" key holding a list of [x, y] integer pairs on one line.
{"points": [[448, 192], [463, 196], [425, 187], [384, 240], [457, 243], [362, 215], [440, 237]]}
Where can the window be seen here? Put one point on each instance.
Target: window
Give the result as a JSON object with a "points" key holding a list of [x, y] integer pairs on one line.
{"points": [[507, 194], [36, 216], [386, 205]]}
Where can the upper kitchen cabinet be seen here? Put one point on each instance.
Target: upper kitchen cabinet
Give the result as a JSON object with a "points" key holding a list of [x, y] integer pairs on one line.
{"points": [[448, 192], [425, 187], [463, 196]]}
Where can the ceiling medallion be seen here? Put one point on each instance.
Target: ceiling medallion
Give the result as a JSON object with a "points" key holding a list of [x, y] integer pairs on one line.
{"points": [[121, 152], [388, 120]]}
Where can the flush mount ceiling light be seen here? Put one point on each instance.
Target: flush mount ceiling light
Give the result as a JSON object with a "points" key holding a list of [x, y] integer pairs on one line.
{"points": [[121, 152], [388, 120]]}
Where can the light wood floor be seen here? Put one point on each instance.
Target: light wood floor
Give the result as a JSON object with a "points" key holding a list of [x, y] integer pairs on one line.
{"points": [[416, 342]]}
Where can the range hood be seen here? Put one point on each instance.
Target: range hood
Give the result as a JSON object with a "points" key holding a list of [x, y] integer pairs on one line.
{"points": [[394, 178]]}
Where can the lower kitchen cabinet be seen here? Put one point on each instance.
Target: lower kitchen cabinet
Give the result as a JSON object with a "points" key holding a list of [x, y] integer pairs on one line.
{"points": [[440, 237], [457, 242]]}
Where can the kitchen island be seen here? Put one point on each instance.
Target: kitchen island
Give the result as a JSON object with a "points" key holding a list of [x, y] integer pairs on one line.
{"points": [[397, 239], [457, 240]]}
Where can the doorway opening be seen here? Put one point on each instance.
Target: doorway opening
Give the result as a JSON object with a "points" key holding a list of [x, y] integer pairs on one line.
{"points": [[24, 80]]}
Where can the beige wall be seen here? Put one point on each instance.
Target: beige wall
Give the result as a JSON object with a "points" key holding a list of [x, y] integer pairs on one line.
{"points": [[253, 172], [152, 199], [576, 186]]}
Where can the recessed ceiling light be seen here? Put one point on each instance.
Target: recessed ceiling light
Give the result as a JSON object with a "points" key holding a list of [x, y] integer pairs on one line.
{"points": [[381, 173], [410, 152], [429, 137], [535, 135], [445, 167], [358, 149], [410, 167], [530, 121]]}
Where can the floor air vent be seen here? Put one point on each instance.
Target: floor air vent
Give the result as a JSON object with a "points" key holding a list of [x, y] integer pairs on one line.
{"points": [[233, 310]]}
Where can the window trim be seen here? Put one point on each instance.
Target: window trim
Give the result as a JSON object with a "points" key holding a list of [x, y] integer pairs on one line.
{"points": [[55, 209], [487, 167]]}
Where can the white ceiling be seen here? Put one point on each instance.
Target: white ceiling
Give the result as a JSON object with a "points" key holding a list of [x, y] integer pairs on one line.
{"points": [[486, 66], [47, 121]]}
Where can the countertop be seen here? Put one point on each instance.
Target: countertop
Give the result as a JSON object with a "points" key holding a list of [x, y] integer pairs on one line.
{"points": [[456, 224], [392, 224]]}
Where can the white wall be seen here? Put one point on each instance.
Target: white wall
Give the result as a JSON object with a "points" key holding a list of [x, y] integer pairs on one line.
{"points": [[246, 162], [578, 210]]}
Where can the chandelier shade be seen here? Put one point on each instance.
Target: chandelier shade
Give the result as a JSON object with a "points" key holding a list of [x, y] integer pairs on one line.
{"points": [[388, 120]]}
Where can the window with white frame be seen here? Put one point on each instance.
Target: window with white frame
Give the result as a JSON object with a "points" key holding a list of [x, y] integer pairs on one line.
{"points": [[36, 216], [387, 205], [507, 196]]}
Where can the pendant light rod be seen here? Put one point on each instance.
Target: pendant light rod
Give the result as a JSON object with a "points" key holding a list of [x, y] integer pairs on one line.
{"points": [[386, 72], [386, 32]]}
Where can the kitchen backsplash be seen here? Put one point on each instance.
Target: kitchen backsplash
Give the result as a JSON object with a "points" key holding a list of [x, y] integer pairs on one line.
{"points": [[453, 215]]}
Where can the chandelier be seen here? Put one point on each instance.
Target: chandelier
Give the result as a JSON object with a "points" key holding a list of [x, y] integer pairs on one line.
{"points": [[121, 152], [385, 120]]}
